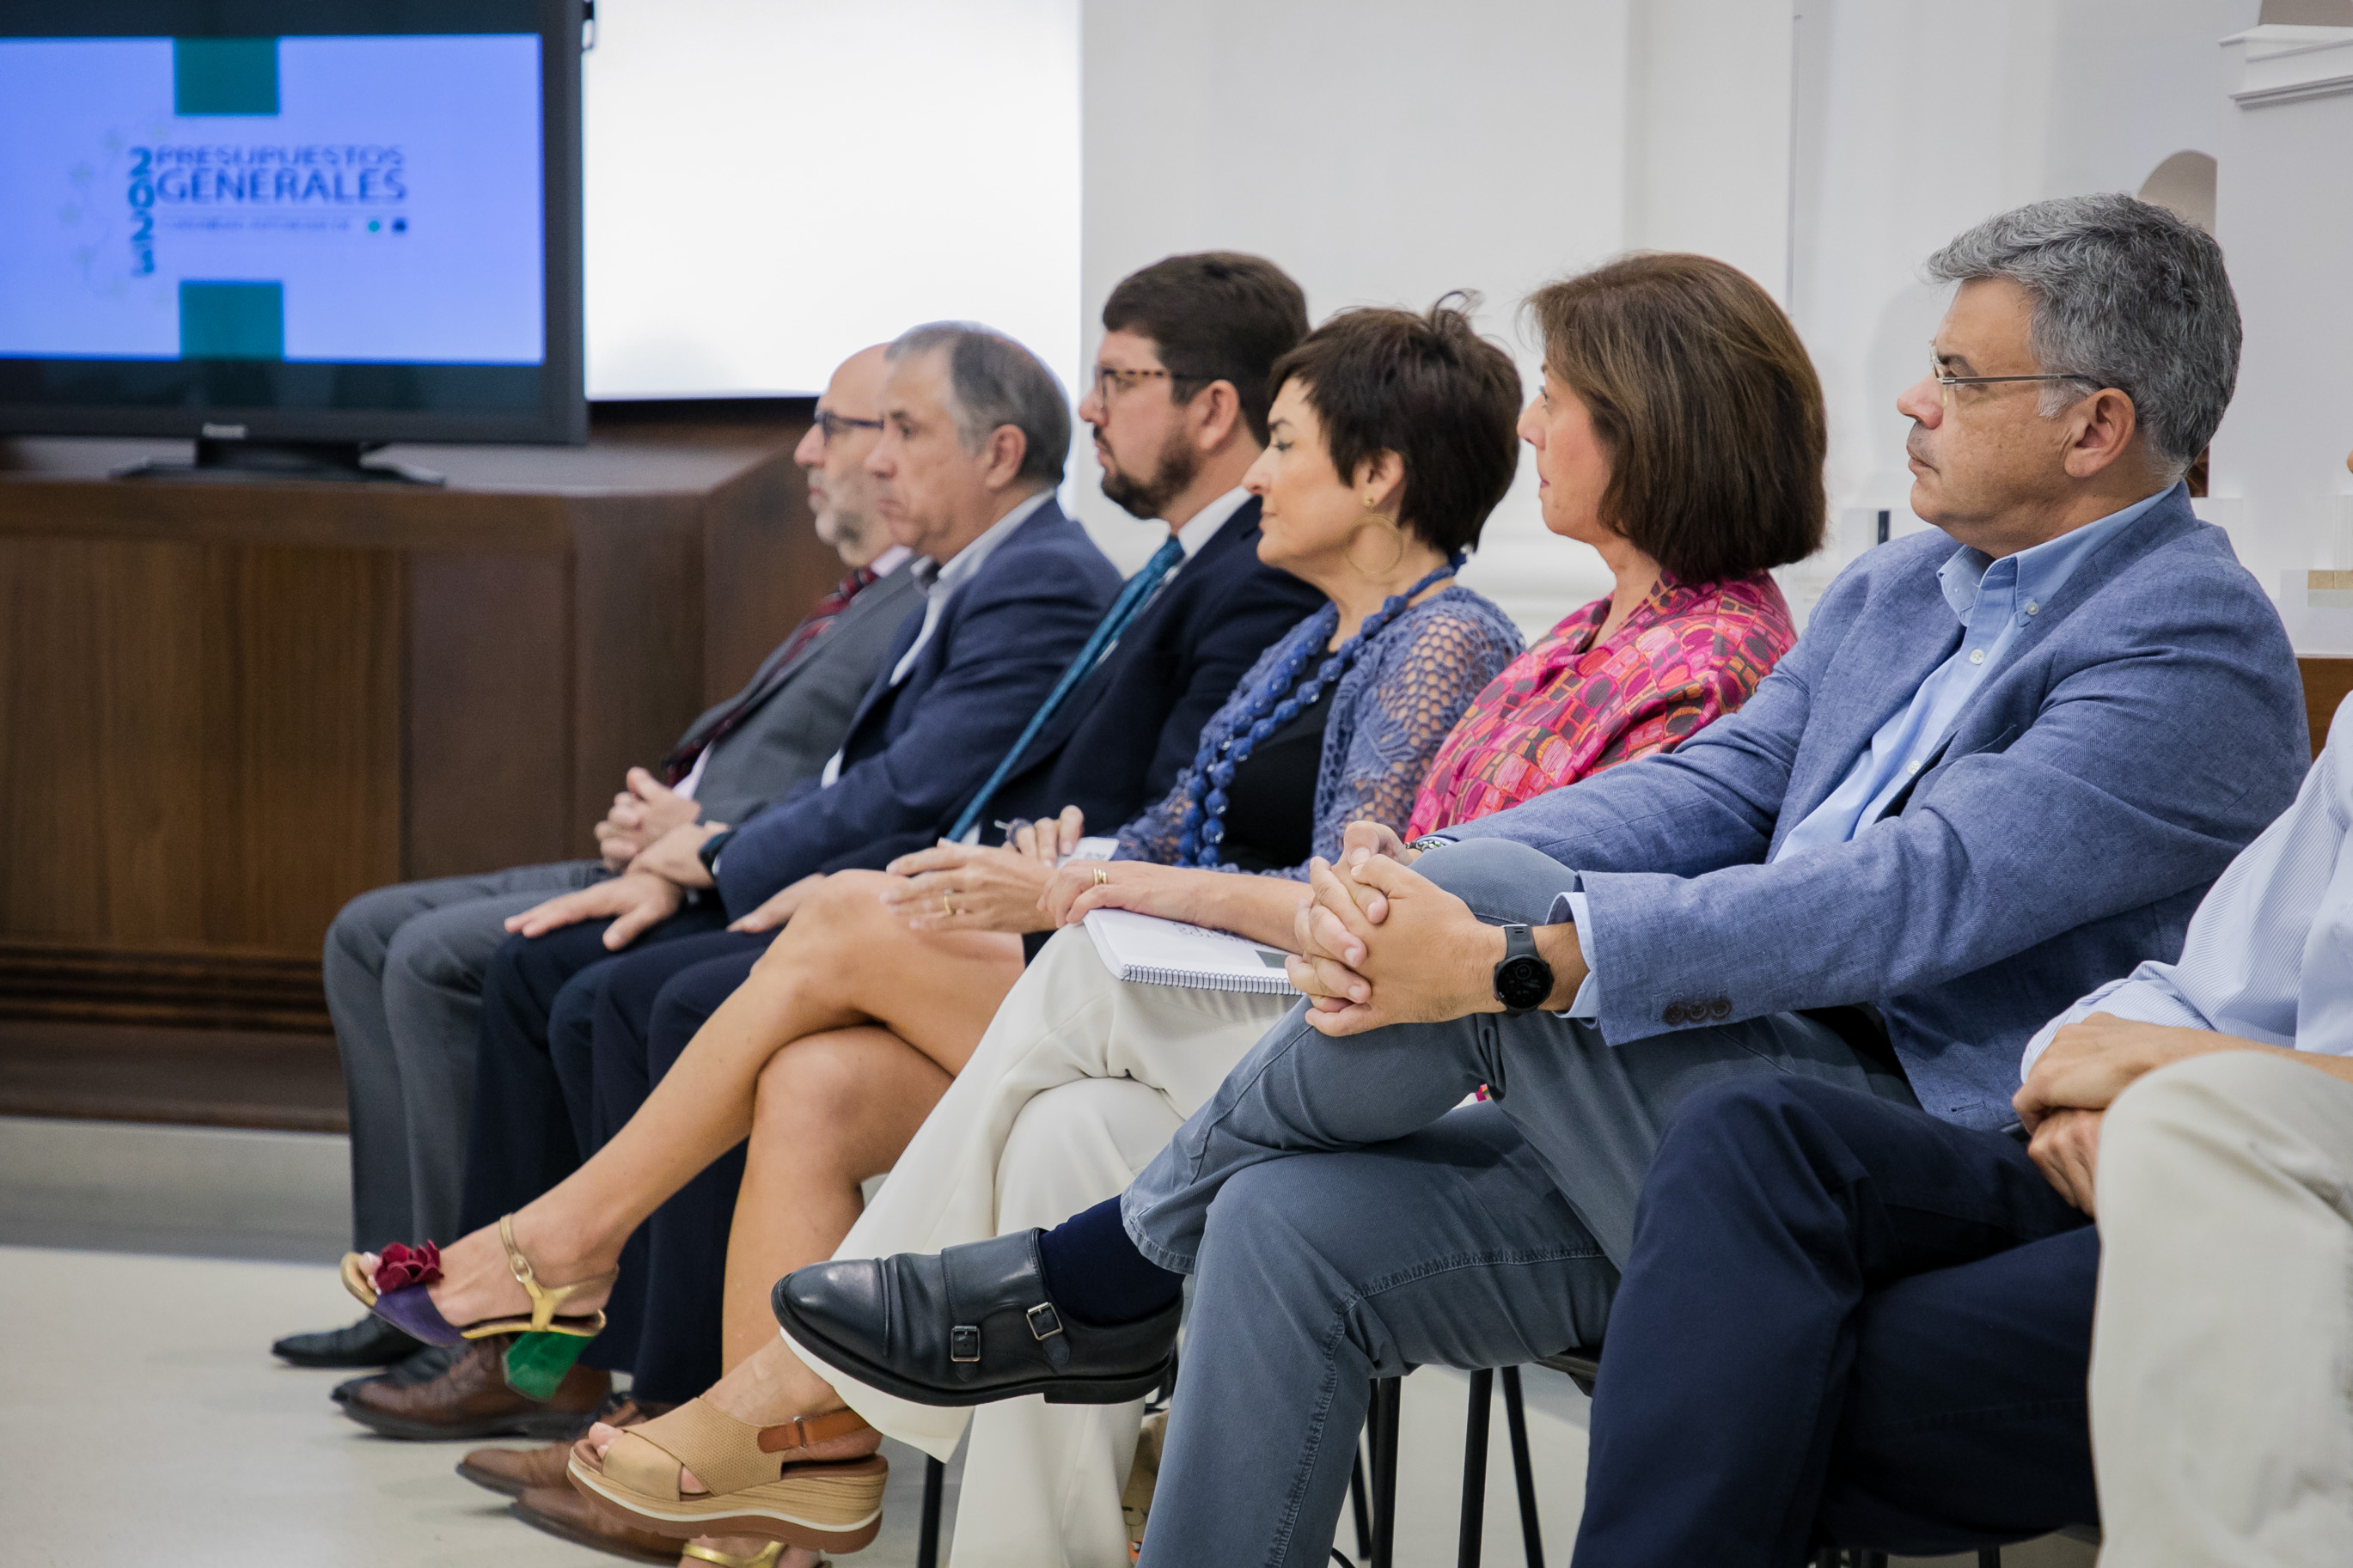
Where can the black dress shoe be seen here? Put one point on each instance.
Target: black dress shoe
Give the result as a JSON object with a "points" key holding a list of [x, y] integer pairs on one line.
{"points": [[970, 1326], [371, 1341], [423, 1365]]}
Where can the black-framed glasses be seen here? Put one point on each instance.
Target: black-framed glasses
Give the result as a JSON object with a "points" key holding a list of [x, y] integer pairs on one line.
{"points": [[1945, 378], [831, 424], [1108, 376]]}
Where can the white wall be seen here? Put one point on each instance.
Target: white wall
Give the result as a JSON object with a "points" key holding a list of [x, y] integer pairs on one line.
{"points": [[1382, 154], [773, 184], [2280, 458], [1914, 122], [1387, 151]]}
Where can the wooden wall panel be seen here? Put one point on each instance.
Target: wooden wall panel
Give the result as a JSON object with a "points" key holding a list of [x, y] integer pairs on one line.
{"points": [[638, 639], [763, 567], [227, 707], [489, 757], [163, 785], [2325, 683]]}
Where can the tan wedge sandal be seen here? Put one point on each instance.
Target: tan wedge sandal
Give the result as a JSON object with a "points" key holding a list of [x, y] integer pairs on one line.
{"points": [[753, 1490], [396, 1293]]}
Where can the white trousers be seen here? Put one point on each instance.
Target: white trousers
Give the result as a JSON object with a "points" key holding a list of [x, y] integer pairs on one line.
{"points": [[1078, 1082], [2222, 1344]]}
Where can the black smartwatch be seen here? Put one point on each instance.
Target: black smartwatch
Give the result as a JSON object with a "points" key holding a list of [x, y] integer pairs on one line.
{"points": [[1523, 980]]}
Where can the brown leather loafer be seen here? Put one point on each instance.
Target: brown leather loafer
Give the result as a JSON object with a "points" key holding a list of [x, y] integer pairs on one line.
{"points": [[561, 1512], [472, 1400], [514, 1472]]}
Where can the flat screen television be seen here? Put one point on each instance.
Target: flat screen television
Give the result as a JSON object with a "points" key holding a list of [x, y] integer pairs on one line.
{"points": [[292, 229]]}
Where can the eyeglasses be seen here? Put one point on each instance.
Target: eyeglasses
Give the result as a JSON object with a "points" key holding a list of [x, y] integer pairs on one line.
{"points": [[1108, 376], [831, 424], [1945, 378]]}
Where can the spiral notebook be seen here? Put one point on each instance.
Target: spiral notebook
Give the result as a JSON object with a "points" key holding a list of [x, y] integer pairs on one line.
{"points": [[1155, 952]]}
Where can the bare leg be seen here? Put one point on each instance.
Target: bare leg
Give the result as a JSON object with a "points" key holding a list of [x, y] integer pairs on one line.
{"points": [[844, 961], [833, 1111]]}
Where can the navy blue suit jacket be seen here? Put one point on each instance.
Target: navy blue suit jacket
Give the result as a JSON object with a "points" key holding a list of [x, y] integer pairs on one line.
{"points": [[2136, 735], [917, 751], [1118, 742]]}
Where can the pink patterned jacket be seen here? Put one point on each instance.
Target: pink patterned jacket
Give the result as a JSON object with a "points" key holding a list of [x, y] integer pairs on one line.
{"points": [[1567, 708]]}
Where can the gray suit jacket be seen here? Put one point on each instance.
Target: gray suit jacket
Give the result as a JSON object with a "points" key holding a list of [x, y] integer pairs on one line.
{"points": [[2136, 736], [801, 722]]}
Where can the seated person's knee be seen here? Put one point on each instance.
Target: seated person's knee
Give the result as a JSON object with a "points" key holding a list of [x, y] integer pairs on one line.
{"points": [[1499, 878]]}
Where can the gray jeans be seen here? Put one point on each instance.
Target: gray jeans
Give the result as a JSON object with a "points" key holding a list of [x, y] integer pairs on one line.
{"points": [[1342, 1225], [403, 973]]}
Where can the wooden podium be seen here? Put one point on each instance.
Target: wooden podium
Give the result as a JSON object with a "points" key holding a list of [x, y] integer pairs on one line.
{"points": [[225, 708]]}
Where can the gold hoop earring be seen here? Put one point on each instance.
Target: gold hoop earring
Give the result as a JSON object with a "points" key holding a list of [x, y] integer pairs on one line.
{"points": [[1372, 519]]}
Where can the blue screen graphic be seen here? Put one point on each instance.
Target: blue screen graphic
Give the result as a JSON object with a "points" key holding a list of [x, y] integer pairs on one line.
{"points": [[346, 199]]}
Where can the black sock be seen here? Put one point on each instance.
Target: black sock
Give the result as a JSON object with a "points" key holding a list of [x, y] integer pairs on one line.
{"points": [[1097, 1276]]}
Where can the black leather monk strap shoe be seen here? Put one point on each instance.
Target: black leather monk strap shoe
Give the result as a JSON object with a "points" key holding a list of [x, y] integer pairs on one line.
{"points": [[969, 1326]]}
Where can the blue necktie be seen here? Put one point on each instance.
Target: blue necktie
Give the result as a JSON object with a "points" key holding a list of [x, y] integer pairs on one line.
{"points": [[1132, 598]]}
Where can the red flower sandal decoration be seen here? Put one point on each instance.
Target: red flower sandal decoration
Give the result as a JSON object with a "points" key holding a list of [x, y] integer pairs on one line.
{"points": [[400, 1266]]}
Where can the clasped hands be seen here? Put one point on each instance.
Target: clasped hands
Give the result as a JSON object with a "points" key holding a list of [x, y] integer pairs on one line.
{"points": [[1378, 943], [2079, 1076]]}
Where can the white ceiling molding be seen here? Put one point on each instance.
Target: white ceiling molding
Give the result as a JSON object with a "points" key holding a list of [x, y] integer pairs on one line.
{"points": [[2283, 64]]}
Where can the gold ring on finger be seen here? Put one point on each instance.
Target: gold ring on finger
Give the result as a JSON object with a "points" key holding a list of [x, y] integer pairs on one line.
{"points": [[946, 907], [1103, 878]]}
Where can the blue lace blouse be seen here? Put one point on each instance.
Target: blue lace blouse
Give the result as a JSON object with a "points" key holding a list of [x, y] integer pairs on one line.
{"points": [[1388, 715]]}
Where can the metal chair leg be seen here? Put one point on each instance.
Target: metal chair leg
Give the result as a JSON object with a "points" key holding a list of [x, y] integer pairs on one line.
{"points": [[1515, 1418], [1475, 1421], [935, 1486], [1356, 1502], [1388, 1399]]}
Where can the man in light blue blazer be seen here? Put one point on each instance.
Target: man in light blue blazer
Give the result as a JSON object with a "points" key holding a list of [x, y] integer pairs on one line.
{"points": [[1986, 779]]}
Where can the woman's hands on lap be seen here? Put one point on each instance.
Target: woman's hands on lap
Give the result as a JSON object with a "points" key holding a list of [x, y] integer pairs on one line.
{"points": [[1145, 886], [963, 887]]}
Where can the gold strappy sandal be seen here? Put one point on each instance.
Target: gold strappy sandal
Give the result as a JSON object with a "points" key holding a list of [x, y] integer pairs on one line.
{"points": [[824, 1506], [766, 1558], [397, 1295]]}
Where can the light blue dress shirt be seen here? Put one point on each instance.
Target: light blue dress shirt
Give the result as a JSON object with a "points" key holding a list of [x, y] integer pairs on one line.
{"points": [[2269, 954], [1993, 600]]}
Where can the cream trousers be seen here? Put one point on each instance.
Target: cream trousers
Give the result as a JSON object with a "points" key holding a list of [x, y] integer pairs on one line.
{"points": [[1078, 1082], [2222, 1344]]}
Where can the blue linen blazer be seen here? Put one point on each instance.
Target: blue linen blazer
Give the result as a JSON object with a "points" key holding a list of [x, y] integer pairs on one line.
{"points": [[2140, 730], [917, 751]]}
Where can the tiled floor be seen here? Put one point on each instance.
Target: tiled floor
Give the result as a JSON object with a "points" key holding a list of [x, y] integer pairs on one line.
{"points": [[143, 1421]]}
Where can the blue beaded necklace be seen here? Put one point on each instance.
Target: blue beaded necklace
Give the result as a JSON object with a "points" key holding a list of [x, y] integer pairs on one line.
{"points": [[1273, 705]]}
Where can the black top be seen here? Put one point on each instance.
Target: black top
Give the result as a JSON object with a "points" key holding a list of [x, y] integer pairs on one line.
{"points": [[1271, 805], [1118, 744]]}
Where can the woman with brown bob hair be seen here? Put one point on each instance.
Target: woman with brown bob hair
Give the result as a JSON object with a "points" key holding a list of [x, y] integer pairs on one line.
{"points": [[1680, 432]]}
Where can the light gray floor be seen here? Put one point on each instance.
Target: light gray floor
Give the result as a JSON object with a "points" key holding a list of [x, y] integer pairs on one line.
{"points": [[151, 1267]]}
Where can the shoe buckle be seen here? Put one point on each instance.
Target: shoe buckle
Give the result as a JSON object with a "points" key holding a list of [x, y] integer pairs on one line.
{"points": [[1043, 1322], [964, 1342]]}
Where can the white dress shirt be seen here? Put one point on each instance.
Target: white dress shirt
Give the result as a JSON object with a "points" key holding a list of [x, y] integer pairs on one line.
{"points": [[2269, 954], [936, 584]]}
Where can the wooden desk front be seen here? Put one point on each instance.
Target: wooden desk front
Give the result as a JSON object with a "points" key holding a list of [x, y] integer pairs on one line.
{"points": [[226, 708]]}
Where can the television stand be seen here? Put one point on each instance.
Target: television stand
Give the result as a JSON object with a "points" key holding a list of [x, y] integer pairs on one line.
{"points": [[311, 462]]}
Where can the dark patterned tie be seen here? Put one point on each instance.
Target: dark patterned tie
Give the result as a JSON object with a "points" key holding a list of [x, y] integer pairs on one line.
{"points": [[681, 763], [1132, 597]]}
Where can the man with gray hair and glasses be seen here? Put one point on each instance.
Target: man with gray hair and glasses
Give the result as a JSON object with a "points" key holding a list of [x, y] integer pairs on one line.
{"points": [[2001, 766]]}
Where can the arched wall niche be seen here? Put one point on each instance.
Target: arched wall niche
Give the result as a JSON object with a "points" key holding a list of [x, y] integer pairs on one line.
{"points": [[2184, 185]]}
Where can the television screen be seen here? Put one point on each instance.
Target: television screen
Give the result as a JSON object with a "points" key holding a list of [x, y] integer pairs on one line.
{"points": [[327, 221]]}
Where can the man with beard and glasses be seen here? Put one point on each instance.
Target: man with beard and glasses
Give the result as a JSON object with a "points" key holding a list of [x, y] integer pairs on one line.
{"points": [[404, 964]]}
